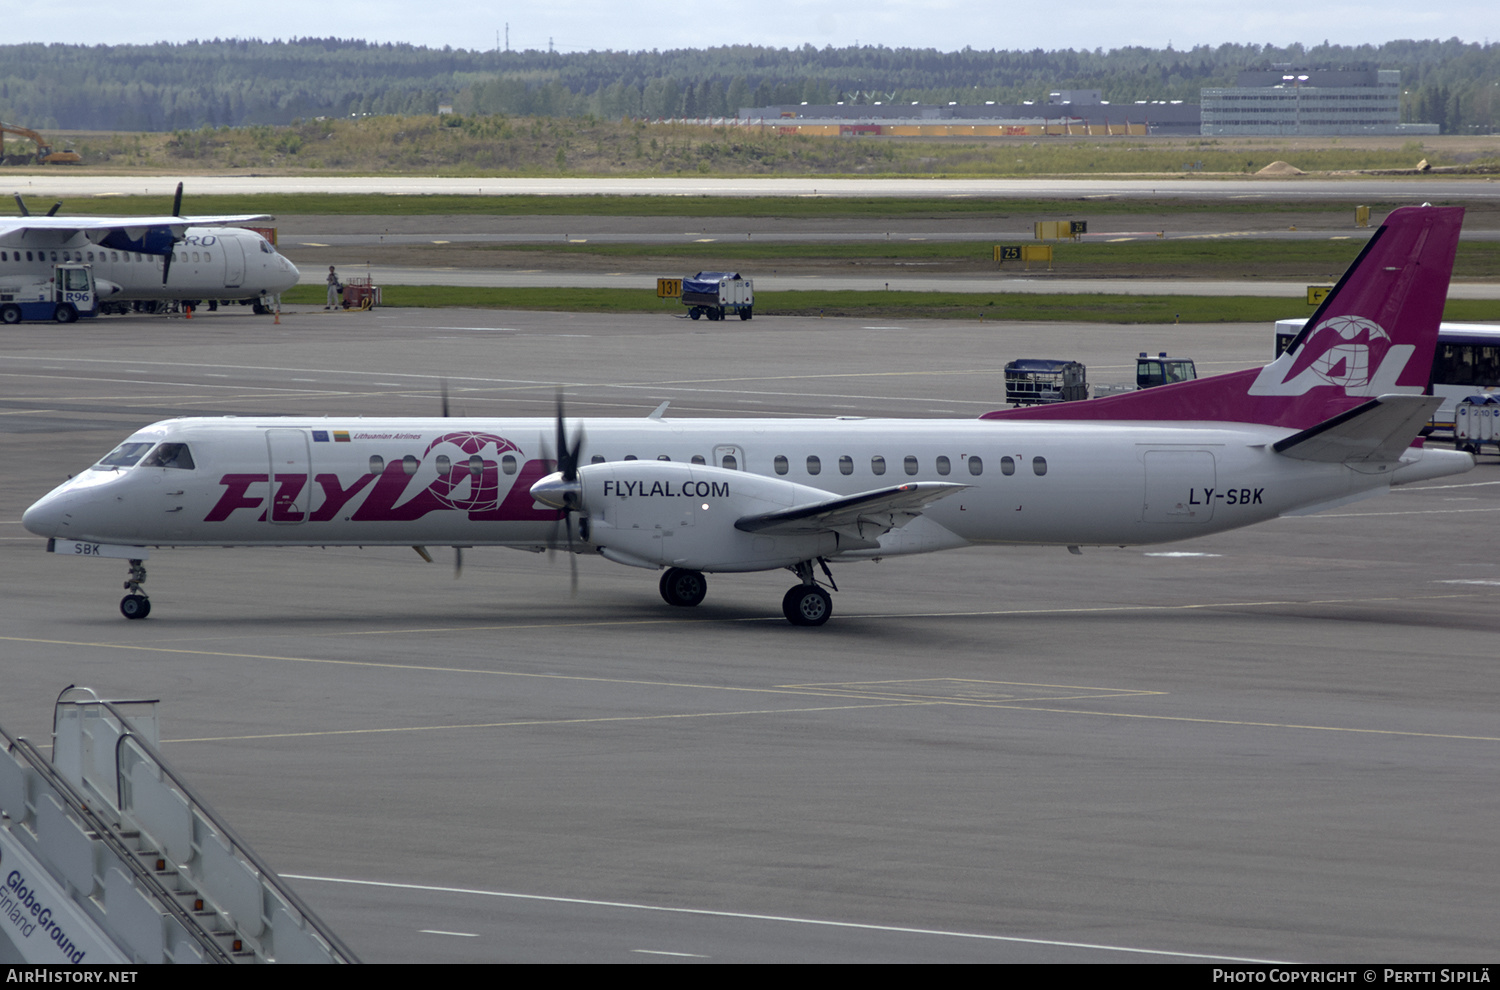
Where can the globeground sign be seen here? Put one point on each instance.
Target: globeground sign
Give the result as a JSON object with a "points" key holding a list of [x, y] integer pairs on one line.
{"points": [[45, 926]]}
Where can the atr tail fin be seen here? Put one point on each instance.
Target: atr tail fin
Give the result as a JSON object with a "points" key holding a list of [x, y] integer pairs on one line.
{"points": [[1374, 335]]}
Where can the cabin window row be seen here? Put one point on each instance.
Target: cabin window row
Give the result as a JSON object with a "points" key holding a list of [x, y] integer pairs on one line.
{"points": [[103, 256], [910, 464], [781, 464], [444, 465]]}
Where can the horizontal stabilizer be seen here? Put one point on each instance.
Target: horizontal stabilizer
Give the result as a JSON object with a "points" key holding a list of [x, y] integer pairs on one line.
{"points": [[866, 515], [1378, 430]]}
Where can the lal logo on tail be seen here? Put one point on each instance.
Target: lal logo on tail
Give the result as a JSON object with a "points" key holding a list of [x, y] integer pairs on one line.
{"points": [[1349, 352], [1344, 350]]}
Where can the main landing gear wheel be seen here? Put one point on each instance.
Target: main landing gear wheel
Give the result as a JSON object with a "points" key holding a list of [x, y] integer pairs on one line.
{"points": [[807, 605], [682, 587]]}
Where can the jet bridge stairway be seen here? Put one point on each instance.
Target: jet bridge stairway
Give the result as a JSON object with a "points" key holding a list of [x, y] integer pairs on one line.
{"points": [[107, 856]]}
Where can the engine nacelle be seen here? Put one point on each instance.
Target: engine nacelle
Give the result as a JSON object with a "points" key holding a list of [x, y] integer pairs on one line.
{"points": [[670, 514]]}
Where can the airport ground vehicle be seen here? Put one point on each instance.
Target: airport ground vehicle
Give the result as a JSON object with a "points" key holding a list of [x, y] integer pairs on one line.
{"points": [[1476, 422], [68, 295], [713, 294], [1466, 362], [1040, 381], [1162, 370]]}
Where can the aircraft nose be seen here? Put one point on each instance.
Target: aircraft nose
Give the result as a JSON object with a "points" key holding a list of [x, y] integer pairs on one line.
{"points": [[293, 275], [51, 515]]}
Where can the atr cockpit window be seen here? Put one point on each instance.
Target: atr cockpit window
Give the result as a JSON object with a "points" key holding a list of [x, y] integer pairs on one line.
{"points": [[124, 455], [170, 455]]}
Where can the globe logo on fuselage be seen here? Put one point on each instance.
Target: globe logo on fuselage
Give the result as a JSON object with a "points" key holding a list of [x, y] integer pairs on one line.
{"points": [[1344, 350], [467, 474]]}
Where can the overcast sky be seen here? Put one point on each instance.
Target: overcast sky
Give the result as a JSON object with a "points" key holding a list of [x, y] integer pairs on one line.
{"points": [[582, 25]]}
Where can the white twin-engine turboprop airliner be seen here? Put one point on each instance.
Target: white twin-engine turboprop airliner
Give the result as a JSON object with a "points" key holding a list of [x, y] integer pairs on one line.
{"points": [[151, 257], [1332, 420]]}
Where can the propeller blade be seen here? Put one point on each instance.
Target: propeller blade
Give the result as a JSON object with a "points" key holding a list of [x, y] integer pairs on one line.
{"points": [[567, 455], [567, 463], [21, 205], [562, 442], [166, 265], [443, 390], [458, 563], [55, 207]]}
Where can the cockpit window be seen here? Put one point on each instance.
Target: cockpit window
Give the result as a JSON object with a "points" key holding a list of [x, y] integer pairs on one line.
{"points": [[170, 455], [124, 455], [266, 248]]}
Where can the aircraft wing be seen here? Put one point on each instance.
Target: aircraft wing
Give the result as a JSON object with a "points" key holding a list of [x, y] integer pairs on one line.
{"points": [[126, 232], [865, 516]]}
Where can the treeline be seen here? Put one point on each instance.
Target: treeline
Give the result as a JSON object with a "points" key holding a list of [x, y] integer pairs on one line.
{"points": [[239, 82]]}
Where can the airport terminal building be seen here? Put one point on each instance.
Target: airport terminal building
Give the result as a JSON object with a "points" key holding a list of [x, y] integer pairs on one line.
{"points": [[1066, 112], [1285, 100]]}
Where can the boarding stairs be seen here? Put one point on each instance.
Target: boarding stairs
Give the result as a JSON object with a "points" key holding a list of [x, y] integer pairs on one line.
{"points": [[107, 856]]}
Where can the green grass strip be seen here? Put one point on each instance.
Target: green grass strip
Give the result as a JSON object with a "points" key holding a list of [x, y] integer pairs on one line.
{"points": [[1475, 259], [1021, 307]]}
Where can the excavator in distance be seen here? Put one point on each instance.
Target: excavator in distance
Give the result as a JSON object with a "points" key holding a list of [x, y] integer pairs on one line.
{"points": [[44, 153]]}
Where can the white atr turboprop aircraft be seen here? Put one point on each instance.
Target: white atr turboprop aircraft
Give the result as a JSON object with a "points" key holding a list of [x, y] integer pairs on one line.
{"points": [[1330, 421], [150, 257]]}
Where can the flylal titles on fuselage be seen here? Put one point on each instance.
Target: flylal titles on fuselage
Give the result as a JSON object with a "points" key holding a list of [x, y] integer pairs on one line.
{"points": [[1332, 420]]}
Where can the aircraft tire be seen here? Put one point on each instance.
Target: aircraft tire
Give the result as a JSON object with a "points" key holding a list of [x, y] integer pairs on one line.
{"points": [[10, 314], [807, 605], [682, 587], [135, 606], [65, 313]]}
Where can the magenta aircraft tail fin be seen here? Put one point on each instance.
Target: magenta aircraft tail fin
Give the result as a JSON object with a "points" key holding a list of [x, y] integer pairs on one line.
{"points": [[1374, 335]]}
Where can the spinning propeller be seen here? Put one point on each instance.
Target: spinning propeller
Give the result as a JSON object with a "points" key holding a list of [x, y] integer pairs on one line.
{"points": [[562, 490]]}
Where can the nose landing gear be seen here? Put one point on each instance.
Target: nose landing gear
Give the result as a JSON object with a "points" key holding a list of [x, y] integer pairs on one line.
{"points": [[135, 605]]}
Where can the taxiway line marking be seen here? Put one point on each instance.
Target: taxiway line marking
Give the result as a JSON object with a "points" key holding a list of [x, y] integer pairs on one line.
{"points": [[782, 919], [524, 723], [1403, 512]]}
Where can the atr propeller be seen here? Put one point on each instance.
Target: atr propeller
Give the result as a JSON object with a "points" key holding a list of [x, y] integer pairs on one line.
{"points": [[166, 265], [21, 205], [561, 490]]}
